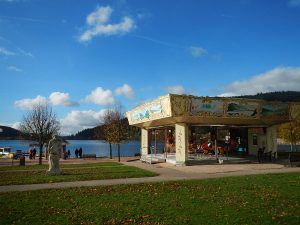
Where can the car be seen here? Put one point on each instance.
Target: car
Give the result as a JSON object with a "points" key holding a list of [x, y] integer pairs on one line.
{"points": [[5, 152]]}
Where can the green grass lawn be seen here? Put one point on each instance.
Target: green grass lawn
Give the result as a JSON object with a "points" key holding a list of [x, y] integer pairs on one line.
{"points": [[256, 199], [46, 166], [33, 174]]}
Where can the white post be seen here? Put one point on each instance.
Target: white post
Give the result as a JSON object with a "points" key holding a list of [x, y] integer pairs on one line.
{"points": [[216, 150], [181, 142], [144, 142], [272, 140]]}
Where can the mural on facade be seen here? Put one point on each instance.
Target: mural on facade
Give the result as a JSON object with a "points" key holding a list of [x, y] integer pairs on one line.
{"points": [[150, 111], [184, 106], [135, 116], [156, 109], [242, 109], [145, 113], [275, 110], [201, 106], [179, 105]]}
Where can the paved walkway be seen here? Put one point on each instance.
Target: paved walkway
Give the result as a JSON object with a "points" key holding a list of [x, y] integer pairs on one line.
{"points": [[166, 172]]}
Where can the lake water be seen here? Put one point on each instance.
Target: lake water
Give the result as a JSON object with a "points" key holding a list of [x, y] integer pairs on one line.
{"points": [[100, 148]]}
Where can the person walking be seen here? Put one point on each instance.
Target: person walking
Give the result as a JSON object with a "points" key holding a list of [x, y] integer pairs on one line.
{"points": [[33, 153], [65, 155], [80, 152], [30, 153], [76, 153]]}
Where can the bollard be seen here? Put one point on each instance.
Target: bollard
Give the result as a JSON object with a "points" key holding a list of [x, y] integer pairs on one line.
{"points": [[22, 161]]}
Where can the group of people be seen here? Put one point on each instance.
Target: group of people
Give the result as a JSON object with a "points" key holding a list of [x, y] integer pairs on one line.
{"points": [[78, 153], [32, 153], [67, 154]]}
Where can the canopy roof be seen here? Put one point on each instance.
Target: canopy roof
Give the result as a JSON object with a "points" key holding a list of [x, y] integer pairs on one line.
{"points": [[171, 109]]}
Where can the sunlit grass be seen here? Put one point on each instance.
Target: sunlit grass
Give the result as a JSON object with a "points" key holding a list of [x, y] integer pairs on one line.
{"points": [[46, 166], [256, 199], [72, 172]]}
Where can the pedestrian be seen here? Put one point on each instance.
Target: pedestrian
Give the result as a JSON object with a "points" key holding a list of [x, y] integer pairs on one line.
{"points": [[69, 154], [65, 155], [34, 153], [30, 153], [80, 152], [76, 153]]}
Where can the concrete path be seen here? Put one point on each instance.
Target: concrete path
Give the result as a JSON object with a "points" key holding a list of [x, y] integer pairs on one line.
{"points": [[166, 172]]}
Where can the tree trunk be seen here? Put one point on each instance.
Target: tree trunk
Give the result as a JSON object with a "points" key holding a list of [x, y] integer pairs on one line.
{"points": [[110, 151], [119, 152], [41, 154]]}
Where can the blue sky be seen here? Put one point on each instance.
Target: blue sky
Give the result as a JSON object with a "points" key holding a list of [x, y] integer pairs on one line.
{"points": [[84, 56]]}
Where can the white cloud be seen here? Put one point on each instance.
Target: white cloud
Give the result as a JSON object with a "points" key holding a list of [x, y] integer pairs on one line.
{"points": [[9, 0], [60, 98], [25, 53], [14, 68], [294, 3], [100, 96], [29, 103], [177, 89], [278, 79], [196, 51], [126, 90], [143, 14], [100, 15], [78, 120], [55, 98], [20, 51], [6, 52], [97, 24], [16, 125]]}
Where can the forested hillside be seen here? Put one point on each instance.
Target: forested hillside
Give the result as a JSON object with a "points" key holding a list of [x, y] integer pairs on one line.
{"points": [[7, 133], [97, 133], [283, 96]]}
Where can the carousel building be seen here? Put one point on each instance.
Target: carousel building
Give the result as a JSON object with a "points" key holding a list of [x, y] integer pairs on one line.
{"points": [[182, 128]]}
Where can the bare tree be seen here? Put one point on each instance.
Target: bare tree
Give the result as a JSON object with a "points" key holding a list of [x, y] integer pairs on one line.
{"points": [[39, 124], [115, 128]]}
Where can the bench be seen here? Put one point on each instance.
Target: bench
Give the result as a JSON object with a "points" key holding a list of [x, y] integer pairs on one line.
{"points": [[263, 156], [89, 156], [19, 154], [25, 154], [294, 158]]}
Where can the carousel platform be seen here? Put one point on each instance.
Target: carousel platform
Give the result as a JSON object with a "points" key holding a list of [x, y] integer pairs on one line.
{"points": [[159, 158], [196, 159]]}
